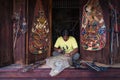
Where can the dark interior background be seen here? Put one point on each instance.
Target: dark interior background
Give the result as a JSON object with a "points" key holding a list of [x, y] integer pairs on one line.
{"points": [[65, 15], [65, 18]]}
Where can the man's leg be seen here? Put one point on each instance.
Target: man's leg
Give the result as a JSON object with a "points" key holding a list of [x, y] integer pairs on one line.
{"points": [[76, 57], [75, 61]]}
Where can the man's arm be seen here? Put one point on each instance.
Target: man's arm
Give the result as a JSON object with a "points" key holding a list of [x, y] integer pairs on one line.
{"points": [[72, 52]]}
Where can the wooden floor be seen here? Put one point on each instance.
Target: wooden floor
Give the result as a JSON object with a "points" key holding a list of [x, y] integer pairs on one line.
{"points": [[67, 74]]}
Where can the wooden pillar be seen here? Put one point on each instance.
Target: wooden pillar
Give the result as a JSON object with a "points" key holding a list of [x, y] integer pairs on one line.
{"points": [[27, 13], [50, 24], [18, 37]]}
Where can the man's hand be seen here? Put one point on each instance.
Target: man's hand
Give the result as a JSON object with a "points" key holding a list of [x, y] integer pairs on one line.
{"points": [[68, 54], [60, 50]]}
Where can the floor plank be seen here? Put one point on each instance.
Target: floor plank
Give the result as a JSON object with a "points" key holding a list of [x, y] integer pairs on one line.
{"points": [[67, 74]]}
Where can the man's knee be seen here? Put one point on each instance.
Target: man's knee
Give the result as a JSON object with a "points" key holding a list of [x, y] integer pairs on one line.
{"points": [[76, 56]]}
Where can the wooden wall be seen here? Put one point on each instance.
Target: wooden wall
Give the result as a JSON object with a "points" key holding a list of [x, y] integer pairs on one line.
{"points": [[6, 56], [19, 55]]}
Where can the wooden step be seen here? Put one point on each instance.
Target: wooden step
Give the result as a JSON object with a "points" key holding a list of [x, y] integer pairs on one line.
{"points": [[67, 74]]}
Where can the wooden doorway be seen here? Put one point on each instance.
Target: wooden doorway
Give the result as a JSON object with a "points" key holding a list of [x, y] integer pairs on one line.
{"points": [[65, 16]]}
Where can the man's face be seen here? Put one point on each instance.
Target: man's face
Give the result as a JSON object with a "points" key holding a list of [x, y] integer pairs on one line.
{"points": [[65, 38]]}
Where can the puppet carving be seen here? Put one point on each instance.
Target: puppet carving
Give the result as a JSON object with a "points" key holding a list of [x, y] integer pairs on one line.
{"points": [[93, 29], [39, 35]]}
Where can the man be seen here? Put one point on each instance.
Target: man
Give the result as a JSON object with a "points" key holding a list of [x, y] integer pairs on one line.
{"points": [[68, 45]]}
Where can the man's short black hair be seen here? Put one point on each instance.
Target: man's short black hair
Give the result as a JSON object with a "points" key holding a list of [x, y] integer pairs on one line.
{"points": [[65, 32]]}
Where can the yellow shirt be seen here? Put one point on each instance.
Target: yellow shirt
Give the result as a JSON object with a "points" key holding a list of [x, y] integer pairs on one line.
{"points": [[68, 45]]}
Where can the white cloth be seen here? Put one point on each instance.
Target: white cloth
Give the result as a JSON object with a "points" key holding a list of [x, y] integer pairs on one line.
{"points": [[58, 64]]}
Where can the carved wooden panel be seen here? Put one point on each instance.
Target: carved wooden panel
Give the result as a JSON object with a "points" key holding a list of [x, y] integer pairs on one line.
{"points": [[39, 34], [93, 30]]}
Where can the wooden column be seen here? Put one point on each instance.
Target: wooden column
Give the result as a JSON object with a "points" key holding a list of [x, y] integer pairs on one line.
{"points": [[19, 43], [50, 22]]}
